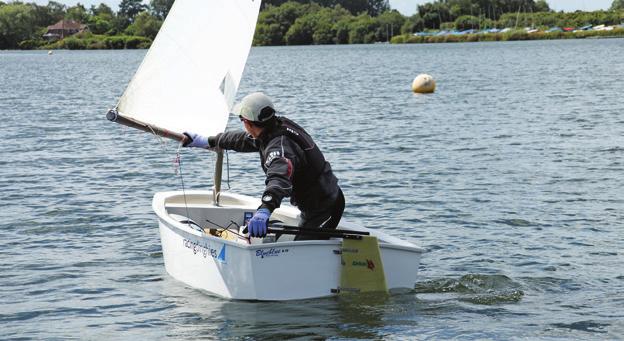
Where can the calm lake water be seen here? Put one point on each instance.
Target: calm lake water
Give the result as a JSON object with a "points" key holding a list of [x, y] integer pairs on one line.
{"points": [[511, 175]]}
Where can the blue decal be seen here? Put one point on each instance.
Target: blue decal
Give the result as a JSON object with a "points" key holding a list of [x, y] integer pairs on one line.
{"points": [[221, 256], [272, 252]]}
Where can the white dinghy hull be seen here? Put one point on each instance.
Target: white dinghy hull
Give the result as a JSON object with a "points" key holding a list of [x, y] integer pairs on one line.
{"points": [[283, 270]]}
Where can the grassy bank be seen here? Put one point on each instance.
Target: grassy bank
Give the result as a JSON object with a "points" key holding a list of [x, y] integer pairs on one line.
{"points": [[89, 41], [507, 36]]}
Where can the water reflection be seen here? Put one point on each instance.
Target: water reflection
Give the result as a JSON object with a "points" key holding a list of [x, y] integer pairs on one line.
{"points": [[196, 313]]}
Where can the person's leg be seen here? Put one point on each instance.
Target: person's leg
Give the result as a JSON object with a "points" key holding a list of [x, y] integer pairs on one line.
{"points": [[325, 219], [336, 213]]}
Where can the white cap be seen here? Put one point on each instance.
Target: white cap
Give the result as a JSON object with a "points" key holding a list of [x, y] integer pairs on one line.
{"points": [[255, 107]]}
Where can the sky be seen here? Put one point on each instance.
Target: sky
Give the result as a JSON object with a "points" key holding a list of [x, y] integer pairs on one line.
{"points": [[406, 7]]}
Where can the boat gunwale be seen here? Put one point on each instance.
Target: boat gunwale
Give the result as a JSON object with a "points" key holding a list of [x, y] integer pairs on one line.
{"points": [[160, 208]]}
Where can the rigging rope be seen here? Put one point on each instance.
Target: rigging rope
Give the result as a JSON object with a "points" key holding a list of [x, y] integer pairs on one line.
{"points": [[227, 229], [178, 162], [177, 170]]}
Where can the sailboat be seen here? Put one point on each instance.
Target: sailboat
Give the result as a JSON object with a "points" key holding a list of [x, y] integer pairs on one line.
{"points": [[188, 80]]}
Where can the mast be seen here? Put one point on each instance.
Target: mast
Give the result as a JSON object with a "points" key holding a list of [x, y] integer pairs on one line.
{"points": [[217, 177]]}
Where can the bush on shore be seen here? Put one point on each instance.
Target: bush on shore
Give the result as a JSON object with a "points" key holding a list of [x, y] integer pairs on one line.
{"points": [[99, 42]]}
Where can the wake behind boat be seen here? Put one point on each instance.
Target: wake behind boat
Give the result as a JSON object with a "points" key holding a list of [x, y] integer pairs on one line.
{"points": [[189, 79]]}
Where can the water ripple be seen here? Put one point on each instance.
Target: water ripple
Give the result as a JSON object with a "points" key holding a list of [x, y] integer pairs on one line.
{"points": [[510, 175]]}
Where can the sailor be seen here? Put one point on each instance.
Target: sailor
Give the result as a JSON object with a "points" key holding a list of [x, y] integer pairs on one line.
{"points": [[293, 164]]}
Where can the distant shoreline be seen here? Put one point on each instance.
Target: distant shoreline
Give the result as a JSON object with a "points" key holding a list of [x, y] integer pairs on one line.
{"points": [[401, 39], [517, 35], [468, 38]]}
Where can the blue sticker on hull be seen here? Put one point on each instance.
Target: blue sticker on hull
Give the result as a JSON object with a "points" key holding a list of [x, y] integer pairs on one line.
{"points": [[221, 257]]}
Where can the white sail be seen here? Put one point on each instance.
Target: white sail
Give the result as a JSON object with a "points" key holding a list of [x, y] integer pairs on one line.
{"points": [[191, 73]]}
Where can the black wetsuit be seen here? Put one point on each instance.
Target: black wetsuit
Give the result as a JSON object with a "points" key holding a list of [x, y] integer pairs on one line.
{"points": [[295, 168]]}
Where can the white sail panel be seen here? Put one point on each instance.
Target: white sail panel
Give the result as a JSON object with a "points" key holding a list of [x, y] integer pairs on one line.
{"points": [[190, 75]]}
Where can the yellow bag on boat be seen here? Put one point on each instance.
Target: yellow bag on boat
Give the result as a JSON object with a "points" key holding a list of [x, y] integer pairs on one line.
{"points": [[362, 269], [225, 234]]}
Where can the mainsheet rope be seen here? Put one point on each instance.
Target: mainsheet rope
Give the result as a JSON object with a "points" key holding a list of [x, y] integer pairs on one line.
{"points": [[177, 168]]}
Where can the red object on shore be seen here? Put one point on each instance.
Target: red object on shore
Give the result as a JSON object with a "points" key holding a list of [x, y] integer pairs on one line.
{"points": [[568, 29]]}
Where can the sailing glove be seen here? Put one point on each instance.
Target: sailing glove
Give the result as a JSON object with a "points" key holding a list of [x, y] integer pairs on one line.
{"points": [[258, 223], [196, 140]]}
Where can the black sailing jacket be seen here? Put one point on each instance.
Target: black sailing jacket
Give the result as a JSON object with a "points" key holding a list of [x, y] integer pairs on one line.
{"points": [[293, 164]]}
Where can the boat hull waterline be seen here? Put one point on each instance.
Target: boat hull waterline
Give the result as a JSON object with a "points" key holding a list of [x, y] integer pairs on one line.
{"points": [[262, 270]]}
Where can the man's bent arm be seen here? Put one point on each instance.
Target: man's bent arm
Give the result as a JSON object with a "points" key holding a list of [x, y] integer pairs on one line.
{"points": [[238, 141]]}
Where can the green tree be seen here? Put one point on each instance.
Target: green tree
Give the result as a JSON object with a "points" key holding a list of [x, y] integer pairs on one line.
{"points": [[56, 10], [119, 24], [617, 5], [413, 24], [363, 30], [326, 30], [49, 14], [316, 27], [301, 31], [17, 23], [131, 8], [268, 35], [434, 14], [274, 22], [342, 28], [377, 7], [100, 26], [458, 8], [102, 11], [466, 22], [355, 6], [437, 12], [390, 23], [512, 6], [78, 13], [101, 20], [541, 6], [144, 25], [160, 8]]}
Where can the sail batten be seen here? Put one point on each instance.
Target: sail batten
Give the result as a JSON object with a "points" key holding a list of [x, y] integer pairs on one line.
{"points": [[190, 76]]}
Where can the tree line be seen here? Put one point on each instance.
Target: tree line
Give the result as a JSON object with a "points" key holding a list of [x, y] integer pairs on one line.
{"points": [[22, 25], [287, 22], [303, 22]]}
